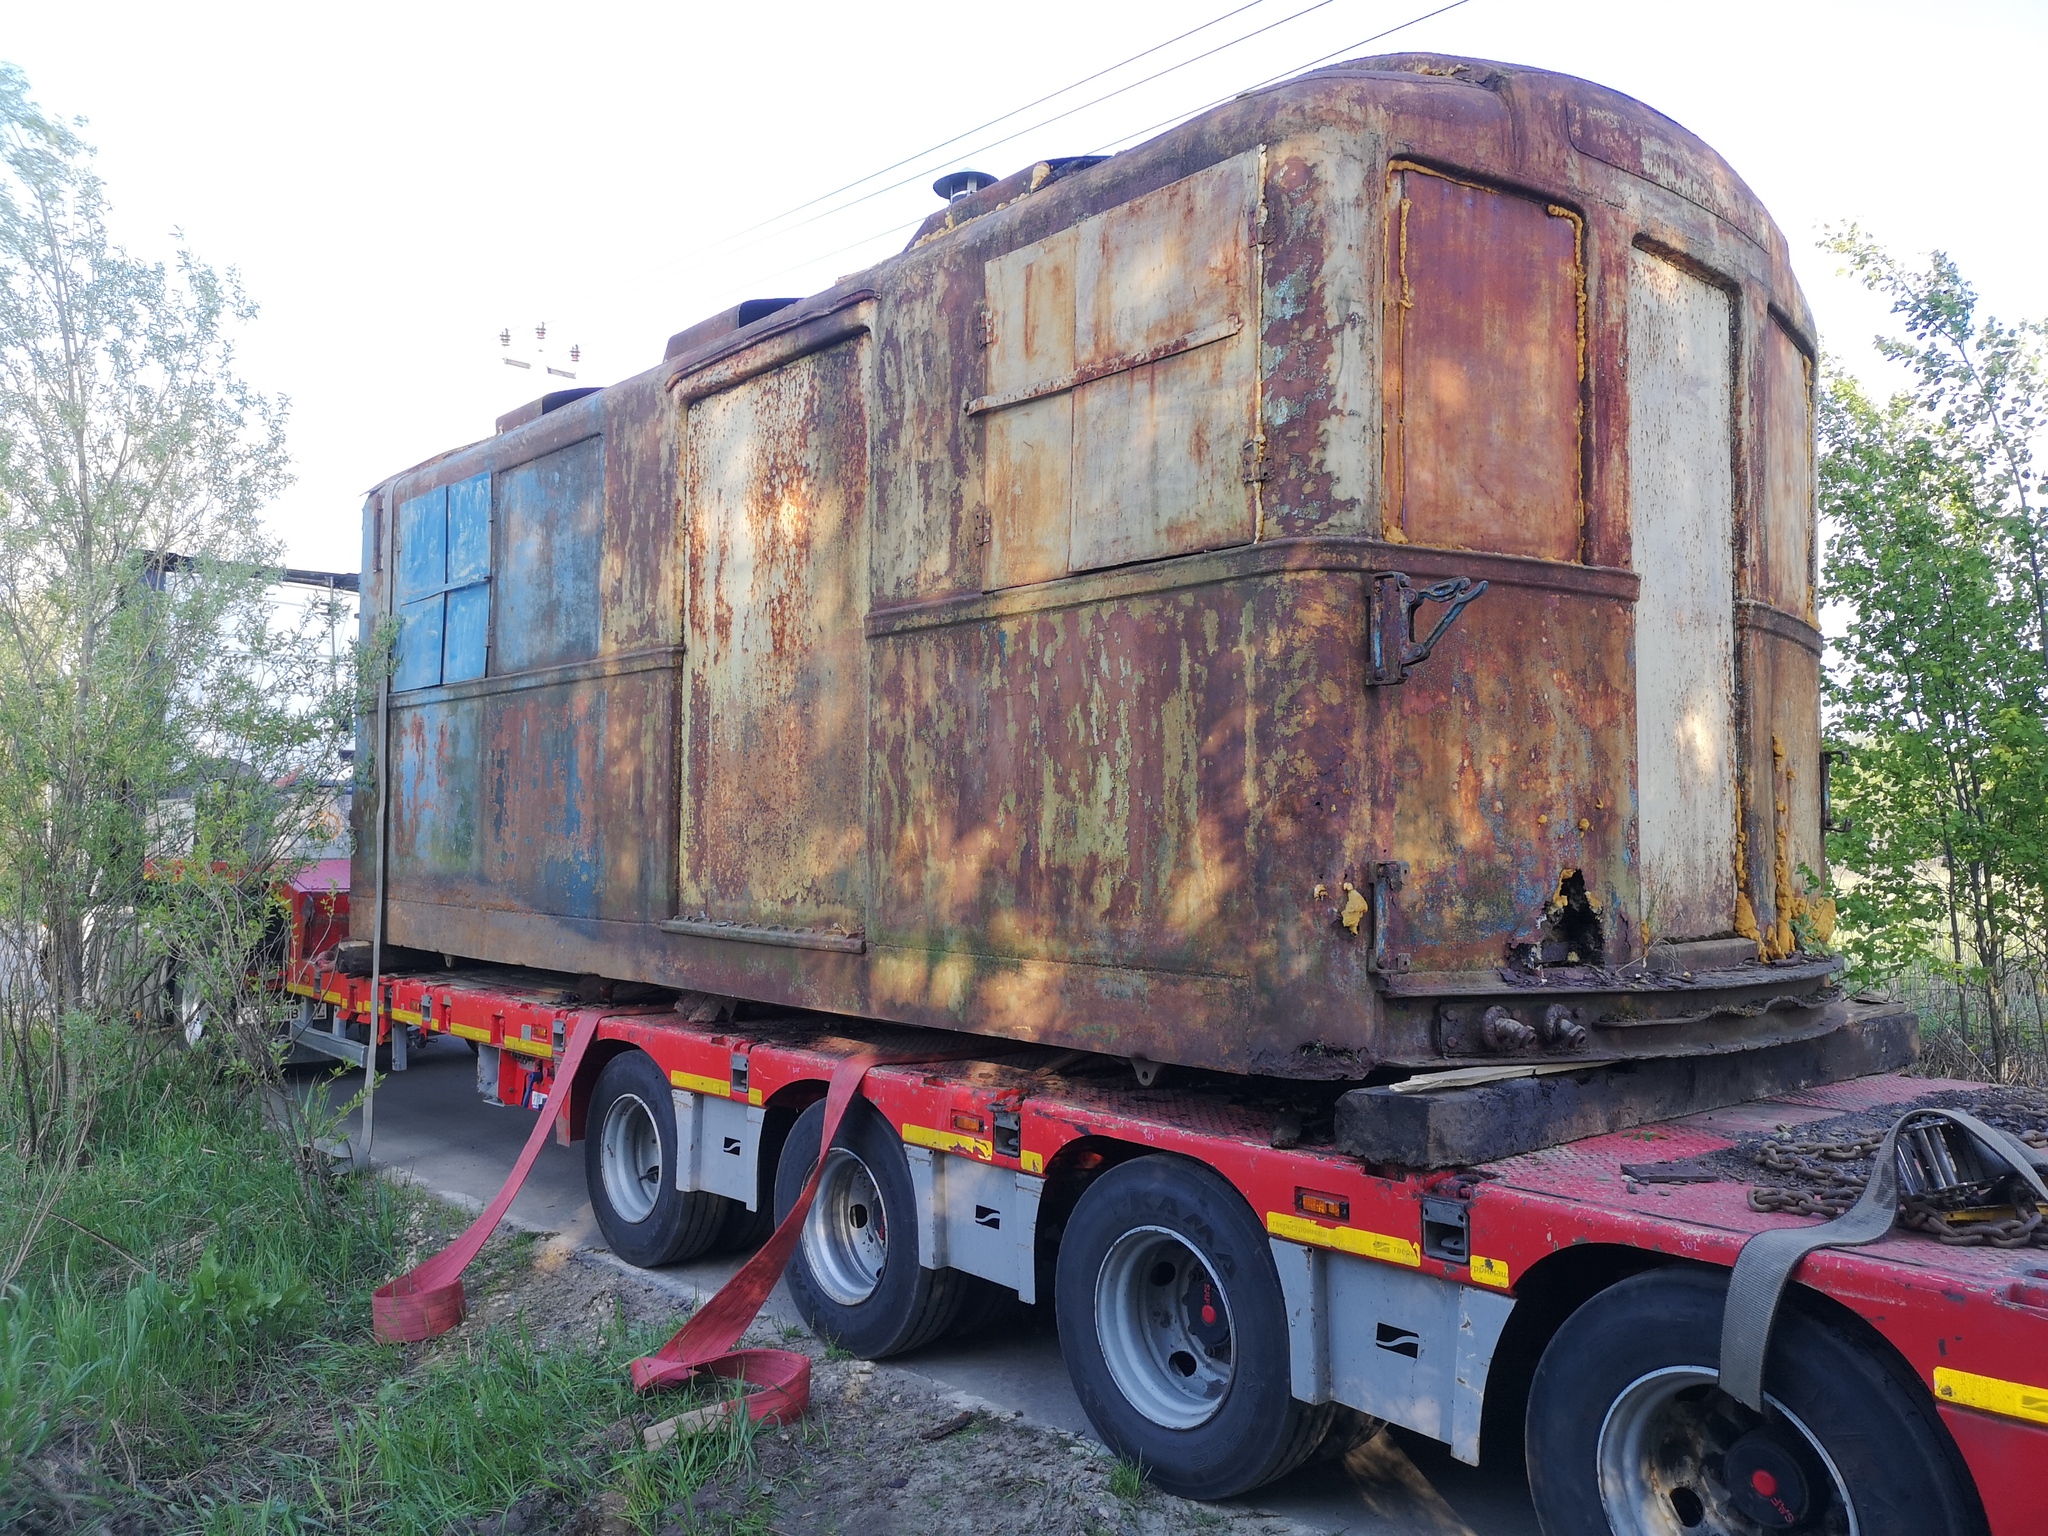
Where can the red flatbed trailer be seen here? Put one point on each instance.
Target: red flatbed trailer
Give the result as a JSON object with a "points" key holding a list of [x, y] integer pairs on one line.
{"points": [[1424, 1299]]}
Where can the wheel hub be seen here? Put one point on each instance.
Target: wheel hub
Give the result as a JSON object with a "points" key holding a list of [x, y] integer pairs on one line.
{"points": [[1766, 1482], [1163, 1320], [629, 1157], [846, 1236], [1679, 1457]]}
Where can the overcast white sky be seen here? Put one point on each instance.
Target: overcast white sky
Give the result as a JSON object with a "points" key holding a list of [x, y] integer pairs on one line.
{"points": [[396, 182]]}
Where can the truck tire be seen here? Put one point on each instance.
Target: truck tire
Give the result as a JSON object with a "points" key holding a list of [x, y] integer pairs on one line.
{"points": [[854, 1274], [1627, 1431], [1174, 1330], [629, 1164]]}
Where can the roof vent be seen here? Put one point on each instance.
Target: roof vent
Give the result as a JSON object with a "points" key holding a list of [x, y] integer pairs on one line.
{"points": [[955, 185]]}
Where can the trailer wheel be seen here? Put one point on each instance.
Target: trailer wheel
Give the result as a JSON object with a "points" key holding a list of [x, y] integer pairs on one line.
{"points": [[855, 1275], [629, 1163], [1627, 1431], [1174, 1330]]}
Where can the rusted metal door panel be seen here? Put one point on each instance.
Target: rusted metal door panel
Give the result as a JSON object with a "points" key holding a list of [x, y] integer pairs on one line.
{"points": [[774, 794], [930, 531], [1108, 783], [434, 766], [639, 594], [1784, 539], [1484, 348], [1167, 265], [1159, 458], [551, 516], [547, 797], [1786, 857], [1030, 491], [1503, 768], [1682, 508], [1141, 321], [1029, 446]]}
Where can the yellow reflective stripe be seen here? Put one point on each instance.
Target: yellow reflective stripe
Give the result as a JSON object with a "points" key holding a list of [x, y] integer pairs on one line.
{"points": [[1371, 1245], [754, 1096], [470, 1032], [1489, 1271], [528, 1047], [404, 1017], [1034, 1162], [2013, 1399], [718, 1087], [949, 1141]]}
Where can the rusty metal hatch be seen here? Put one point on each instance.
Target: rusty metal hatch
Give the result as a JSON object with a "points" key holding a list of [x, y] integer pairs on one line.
{"points": [[1508, 769], [774, 801]]}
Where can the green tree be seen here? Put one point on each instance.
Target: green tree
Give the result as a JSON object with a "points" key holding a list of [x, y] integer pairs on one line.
{"points": [[163, 735], [1937, 684]]}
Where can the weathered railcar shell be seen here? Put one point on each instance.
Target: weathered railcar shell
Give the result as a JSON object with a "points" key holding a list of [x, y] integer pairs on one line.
{"points": [[1025, 636]]}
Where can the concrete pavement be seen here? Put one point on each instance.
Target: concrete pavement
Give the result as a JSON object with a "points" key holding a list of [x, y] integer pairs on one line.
{"points": [[433, 1129]]}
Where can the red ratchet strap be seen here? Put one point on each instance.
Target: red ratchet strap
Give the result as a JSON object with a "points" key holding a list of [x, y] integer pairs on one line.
{"points": [[428, 1301]]}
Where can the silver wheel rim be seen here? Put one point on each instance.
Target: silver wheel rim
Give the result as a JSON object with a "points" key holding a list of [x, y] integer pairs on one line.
{"points": [[1163, 1321], [630, 1157], [846, 1236], [1659, 1460]]}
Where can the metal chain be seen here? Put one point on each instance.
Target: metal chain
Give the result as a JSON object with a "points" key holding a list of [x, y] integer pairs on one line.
{"points": [[1827, 1191]]}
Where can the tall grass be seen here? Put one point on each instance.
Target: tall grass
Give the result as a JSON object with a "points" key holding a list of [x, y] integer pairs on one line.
{"points": [[182, 1252], [1955, 1029], [184, 1346]]}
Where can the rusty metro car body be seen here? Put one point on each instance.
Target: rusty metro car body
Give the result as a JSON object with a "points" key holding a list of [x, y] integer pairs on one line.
{"points": [[1330, 588]]}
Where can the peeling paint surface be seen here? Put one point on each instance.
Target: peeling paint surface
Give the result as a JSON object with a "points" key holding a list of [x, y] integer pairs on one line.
{"points": [[1681, 489]]}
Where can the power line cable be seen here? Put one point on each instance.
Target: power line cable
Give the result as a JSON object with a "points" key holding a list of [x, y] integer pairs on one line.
{"points": [[1003, 117], [725, 241], [1283, 75], [1067, 113], [727, 247], [902, 226]]}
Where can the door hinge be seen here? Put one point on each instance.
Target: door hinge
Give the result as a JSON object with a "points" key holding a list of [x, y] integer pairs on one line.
{"points": [[985, 325], [1392, 646], [1388, 876], [1254, 461]]}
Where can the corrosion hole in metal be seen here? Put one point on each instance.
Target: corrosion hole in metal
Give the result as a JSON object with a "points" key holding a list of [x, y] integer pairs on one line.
{"points": [[1571, 932]]}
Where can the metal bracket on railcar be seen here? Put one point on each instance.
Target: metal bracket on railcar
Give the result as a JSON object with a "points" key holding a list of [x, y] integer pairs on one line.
{"points": [[1392, 621]]}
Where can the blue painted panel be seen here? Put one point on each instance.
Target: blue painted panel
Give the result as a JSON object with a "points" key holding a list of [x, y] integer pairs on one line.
{"points": [[434, 798], [423, 544], [469, 529], [469, 624], [419, 644], [551, 531]]}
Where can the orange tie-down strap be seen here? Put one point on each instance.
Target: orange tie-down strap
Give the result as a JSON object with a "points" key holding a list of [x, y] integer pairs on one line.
{"points": [[428, 1300]]}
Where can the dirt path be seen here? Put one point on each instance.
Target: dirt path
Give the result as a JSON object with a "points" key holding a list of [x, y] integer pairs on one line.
{"points": [[881, 1451]]}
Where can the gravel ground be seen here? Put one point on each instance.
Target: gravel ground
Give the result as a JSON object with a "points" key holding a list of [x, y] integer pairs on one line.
{"points": [[881, 1451]]}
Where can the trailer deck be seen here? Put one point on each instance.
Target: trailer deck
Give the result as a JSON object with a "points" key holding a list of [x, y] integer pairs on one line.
{"points": [[1420, 1298]]}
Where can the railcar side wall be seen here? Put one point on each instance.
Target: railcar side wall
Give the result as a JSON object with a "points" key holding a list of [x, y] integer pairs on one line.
{"points": [[981, 643]]}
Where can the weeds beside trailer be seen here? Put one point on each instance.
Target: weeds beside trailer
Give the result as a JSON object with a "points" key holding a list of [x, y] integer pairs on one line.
{"points": [[1031, 635]]}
